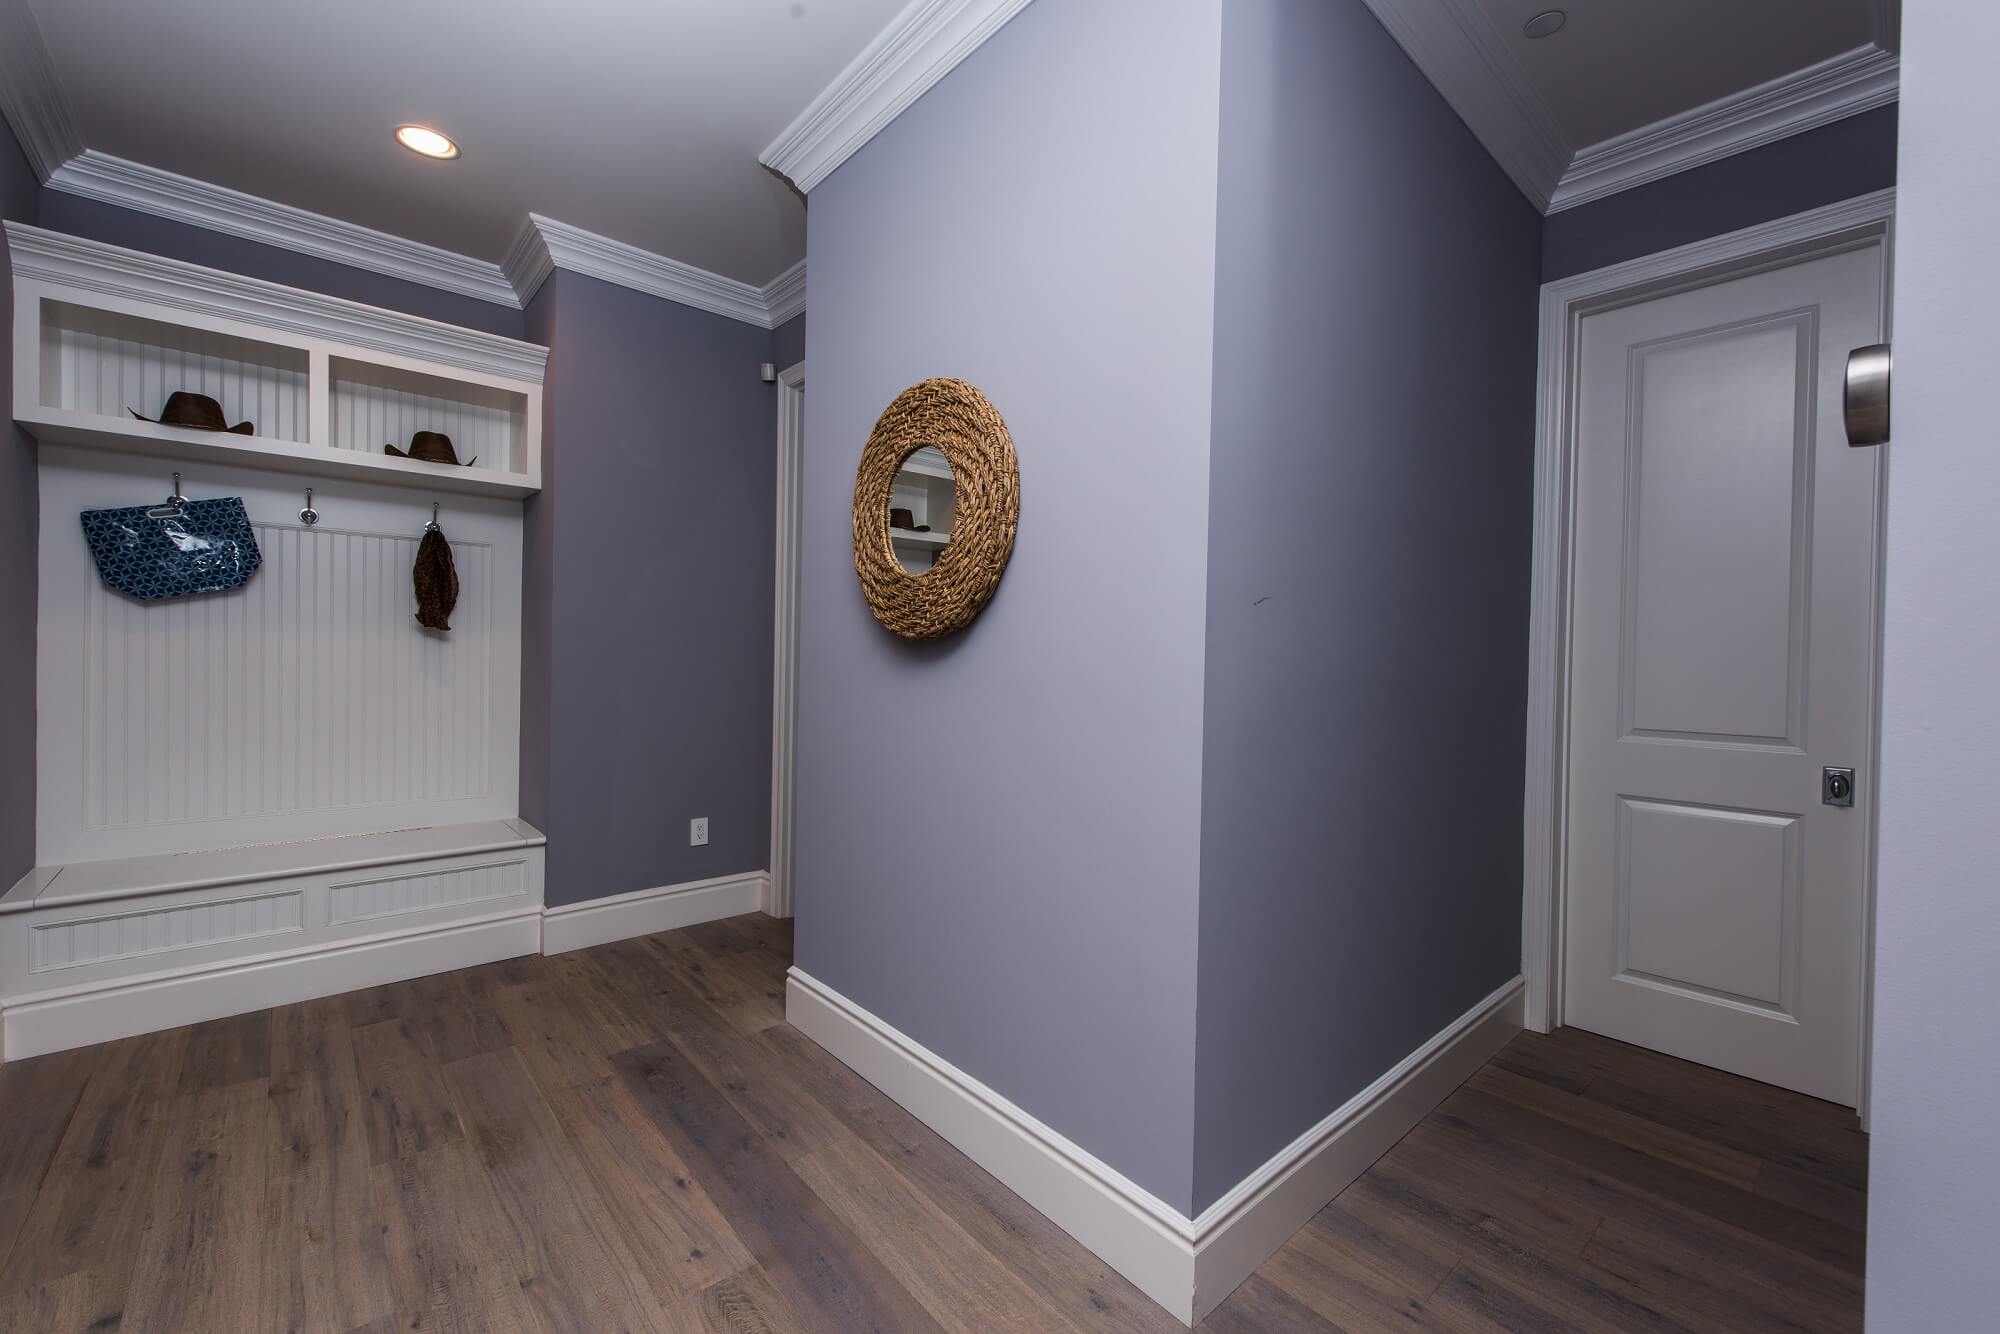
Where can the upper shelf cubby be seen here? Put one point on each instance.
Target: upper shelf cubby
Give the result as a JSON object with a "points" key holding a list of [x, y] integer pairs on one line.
{"points": [[101, 332], [376, 405]]}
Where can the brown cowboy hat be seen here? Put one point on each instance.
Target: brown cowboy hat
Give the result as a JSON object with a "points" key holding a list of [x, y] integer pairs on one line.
{"points": [[197, 412], [431, 447]]}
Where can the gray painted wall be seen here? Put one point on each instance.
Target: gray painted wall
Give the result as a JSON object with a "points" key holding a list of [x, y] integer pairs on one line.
{"points": [[1934, 1156], [997, 833], [1370, 516], [19, 543], [650, 618], [1839, 161], [788, 344], [198, 245]]}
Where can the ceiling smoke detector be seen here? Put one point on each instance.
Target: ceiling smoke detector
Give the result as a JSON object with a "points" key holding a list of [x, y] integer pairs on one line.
{"points": [[426, 141], [1545, 24]]}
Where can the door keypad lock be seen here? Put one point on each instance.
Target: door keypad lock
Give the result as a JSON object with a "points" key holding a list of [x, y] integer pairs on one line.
{"points": [[1836, 787]]}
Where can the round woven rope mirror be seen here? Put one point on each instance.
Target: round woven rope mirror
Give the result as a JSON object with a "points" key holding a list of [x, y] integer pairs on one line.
{"points": [[941, 460]]}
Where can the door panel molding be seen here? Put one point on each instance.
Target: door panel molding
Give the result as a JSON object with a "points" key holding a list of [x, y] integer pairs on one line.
{"points": [[1864, 221], [1634, 706]]}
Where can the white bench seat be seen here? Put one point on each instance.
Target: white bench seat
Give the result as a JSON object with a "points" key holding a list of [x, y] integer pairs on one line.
{"points": [[131, 877], [91, 951]]}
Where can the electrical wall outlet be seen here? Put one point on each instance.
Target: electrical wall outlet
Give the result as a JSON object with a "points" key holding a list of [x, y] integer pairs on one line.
{"points": [[698, 832]]}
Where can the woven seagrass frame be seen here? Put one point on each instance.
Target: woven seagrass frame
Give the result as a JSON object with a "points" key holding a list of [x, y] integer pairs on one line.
{"points": [[956, 419]]}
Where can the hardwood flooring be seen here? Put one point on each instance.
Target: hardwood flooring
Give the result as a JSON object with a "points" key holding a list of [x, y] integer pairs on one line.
{"points": [[631, 1138]]}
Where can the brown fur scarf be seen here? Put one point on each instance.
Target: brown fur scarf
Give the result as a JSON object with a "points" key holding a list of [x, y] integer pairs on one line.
{"points": [[436, 579]]}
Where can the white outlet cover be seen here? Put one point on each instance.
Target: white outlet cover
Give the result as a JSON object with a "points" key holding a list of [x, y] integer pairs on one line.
{"points": [[698, 832]]}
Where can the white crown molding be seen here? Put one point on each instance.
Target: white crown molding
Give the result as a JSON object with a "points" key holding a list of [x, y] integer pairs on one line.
{"points": [[114, 271], [921, 45], [1466, 59], [545, 245], [113, 180], [785, 295], [31, 93], [527, 263], [1887, 16], [1835, 88], [1187, 1265], [541, 246]]}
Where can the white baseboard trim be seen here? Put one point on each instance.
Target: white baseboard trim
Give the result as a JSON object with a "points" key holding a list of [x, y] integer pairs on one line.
{"points": [[576, 926], [1127, 1226], [1186, 1265], [1241, 1230], [120, 1008]]}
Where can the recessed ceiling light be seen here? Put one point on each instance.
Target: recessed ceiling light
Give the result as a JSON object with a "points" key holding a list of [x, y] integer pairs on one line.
{"points": [[420, 139], [1546, 23]]}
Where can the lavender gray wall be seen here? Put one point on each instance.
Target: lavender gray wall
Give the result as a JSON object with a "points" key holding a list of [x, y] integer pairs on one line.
{"points": [[649, 592], [19, 507], [1369, 525], [788, 343], [996, 835], [198, 245], [1839, 161]]}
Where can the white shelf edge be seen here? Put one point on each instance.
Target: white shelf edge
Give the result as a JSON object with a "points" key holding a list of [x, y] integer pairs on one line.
{"points": [[57, 426], [912, 539]]}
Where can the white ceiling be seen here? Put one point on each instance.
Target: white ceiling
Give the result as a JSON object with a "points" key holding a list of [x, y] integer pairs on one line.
{"points": [[639, 120], [1619, 64]]}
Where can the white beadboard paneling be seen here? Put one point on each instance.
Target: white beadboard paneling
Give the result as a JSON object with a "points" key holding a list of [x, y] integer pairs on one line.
{"points": [[309, 688], [421, 891], [375, 406], [308, 703], [128, 935], [106, 362]]}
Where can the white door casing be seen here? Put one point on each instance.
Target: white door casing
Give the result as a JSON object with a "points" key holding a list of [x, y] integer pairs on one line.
{"points": [[785, 636], [1722, 636]]}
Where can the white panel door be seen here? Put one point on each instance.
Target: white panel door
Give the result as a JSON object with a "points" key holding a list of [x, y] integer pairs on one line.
{"points": [[1722, 652]]}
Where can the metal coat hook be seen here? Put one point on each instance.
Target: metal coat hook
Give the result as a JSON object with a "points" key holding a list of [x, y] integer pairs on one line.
{"points": [[172, 508], [432, 526], [309, 516]]}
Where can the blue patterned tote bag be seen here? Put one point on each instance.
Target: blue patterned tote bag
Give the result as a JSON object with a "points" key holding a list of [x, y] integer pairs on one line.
{"points": [[173, 550]]}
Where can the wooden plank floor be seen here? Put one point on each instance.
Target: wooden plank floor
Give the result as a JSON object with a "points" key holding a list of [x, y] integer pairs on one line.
{"points": [[631, 1138]]}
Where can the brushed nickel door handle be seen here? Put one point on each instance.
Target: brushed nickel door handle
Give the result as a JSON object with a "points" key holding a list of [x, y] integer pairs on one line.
{"points": [[1865, 396]]}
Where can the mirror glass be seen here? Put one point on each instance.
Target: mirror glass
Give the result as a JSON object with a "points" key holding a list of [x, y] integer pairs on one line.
{"points": [[920, 509]]}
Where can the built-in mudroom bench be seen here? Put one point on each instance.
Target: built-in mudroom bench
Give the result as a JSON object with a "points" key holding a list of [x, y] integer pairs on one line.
{"points": [[290, 788]]}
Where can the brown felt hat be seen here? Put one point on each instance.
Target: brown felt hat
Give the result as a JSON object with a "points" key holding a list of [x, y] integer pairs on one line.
{"points": [[197, 412], [430, 447]]}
